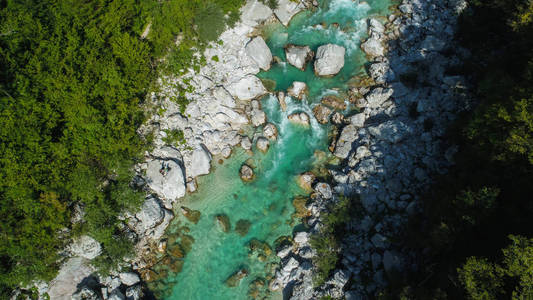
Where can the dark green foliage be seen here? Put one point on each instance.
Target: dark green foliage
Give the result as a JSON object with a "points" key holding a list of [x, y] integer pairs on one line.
{"points": [[469, 213], [174, 137], [327, 242], [73, 78]]}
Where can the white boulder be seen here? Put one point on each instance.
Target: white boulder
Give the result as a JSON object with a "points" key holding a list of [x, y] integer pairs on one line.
{"points": [[298, 56], [247, 88], [166, 178], [258, 50], [129, 278], [286, 10], [373, 47], [297, 89], [201, 162], [299, 118], [329, 59], [262, 144]]}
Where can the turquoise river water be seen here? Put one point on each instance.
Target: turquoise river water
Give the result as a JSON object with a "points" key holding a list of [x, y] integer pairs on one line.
{"points": [[261, 212]]}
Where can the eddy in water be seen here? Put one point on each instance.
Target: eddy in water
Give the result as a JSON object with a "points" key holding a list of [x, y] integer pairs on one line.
{"points": [[223, 244]]}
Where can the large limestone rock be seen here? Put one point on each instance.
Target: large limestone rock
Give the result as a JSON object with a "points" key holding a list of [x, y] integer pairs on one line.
{"points": [[377, 97], [150, 215], [247, 88], [287, 9], [166, 178], [70, 275], [258, 117], [258, 50], [373, 47], [201, 162], [298, 56], [255, 12], [329, 59], [390, 131], [86, 247], [345, 140]]}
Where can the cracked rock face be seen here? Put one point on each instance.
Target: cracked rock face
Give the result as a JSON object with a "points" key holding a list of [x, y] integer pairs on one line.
{"points": [[201, 162], [166, 178], [329, 59], [286, 10], [258, 50]]}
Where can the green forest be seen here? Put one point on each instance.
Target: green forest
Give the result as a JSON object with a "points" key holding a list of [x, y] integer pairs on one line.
{"points": [[474, 239], [73, 80]]}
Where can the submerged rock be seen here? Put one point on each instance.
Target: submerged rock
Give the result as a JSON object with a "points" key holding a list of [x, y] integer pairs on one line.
{"points": [[242, 226], [334, 102], [223, 223], [236, 278], [191, 215], [258, 50], [262, 144], [322, 114], [298, 56], [297, 89], [305, 181], [246, 173], [299, 118], [329, 59]]}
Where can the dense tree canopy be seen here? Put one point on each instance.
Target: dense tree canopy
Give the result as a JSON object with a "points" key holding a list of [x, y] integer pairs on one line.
{"points": [[73, 77]]}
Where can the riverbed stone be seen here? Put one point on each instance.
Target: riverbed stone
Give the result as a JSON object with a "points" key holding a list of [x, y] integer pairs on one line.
{"points": [[373, 47], [334, 102], [262, 144], [329, 59], [258, 50], [298, 56], [322, 113], [223, 223], [300, 118], [345, 140], [236, 278], [270, 131], [246, 143], [297, 89], [246, 173]]}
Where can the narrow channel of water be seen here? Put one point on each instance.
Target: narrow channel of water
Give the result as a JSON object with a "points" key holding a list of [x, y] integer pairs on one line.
{"points": [[261, 212]]}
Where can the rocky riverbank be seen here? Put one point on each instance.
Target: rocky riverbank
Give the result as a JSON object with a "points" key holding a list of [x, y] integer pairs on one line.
{"points": [[388, 152], [222, 103]]}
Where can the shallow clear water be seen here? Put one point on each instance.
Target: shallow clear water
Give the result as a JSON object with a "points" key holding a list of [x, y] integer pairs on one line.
{"points": [[265, 202]]}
